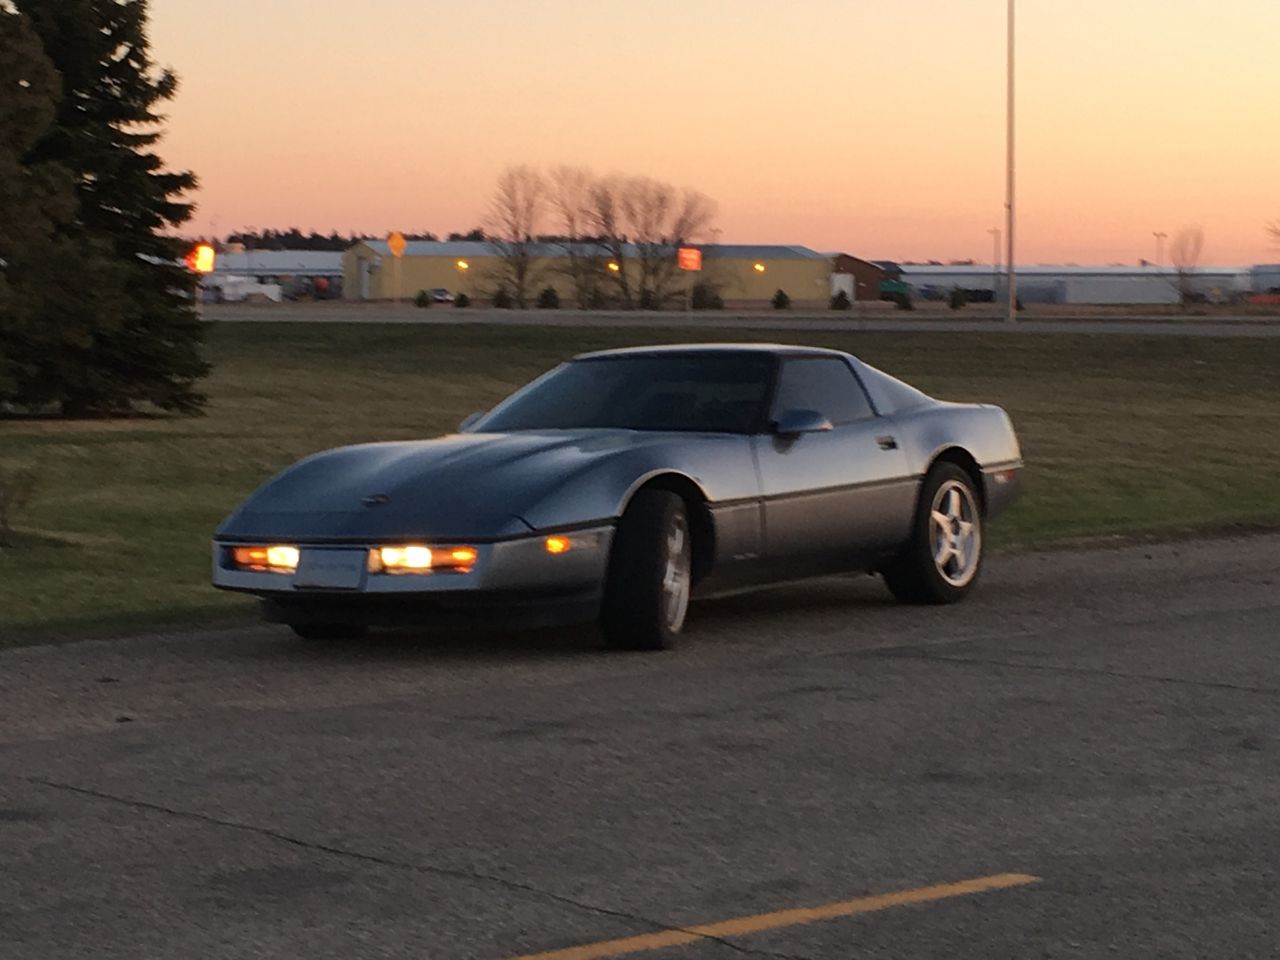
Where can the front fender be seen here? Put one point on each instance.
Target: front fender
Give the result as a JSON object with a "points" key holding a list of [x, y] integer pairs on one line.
{"points": [[721, 466]]}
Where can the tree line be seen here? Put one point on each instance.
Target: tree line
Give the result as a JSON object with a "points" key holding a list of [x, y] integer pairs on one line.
{"points": [[295, 239]]}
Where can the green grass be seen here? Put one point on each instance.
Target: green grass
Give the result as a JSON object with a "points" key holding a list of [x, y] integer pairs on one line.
{"points": [[1120, 434]]}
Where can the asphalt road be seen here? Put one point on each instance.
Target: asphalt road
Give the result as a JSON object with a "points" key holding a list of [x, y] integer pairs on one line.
{"points": [[1098, 731], [1221, 326]]}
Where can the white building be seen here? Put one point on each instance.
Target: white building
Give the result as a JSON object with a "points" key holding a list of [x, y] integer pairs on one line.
{"points": [[315, 273], [1082, 285], [1266, 278]]}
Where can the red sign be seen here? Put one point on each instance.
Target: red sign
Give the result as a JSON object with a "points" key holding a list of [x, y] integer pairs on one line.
{"points": [[689, 258], [201, 258]]}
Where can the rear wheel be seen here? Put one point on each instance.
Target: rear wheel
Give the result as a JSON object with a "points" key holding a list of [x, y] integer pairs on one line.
{"points": [[650, 576], [944, 557], [327, 631]]}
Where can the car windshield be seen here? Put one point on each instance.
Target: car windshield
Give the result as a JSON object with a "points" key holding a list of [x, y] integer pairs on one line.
{"points": [[722, 393]]}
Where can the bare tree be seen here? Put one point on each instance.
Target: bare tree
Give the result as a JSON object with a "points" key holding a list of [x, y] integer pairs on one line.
{"points": [[662, 219], [1273, 229], [645, 220], [1184, 254], [571, 199], [605, 214], [515, 214]]}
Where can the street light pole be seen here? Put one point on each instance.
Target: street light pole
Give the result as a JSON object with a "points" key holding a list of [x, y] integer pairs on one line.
{"points": [[1159, 235], [995, 264], [1009, 174]]}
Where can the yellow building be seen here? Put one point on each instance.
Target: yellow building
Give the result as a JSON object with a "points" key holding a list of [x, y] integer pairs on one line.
{"points": [[743, 276]]}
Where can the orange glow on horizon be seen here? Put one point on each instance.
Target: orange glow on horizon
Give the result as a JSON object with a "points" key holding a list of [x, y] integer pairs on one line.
{"points": [[870, 128]]}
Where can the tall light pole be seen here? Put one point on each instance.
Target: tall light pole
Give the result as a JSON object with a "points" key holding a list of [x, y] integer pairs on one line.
{"points": [[995, 264], [1160, 237], [1009, 175]]}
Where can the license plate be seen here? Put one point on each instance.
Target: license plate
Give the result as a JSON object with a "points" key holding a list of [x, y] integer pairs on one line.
{"points": [[331, 569]]}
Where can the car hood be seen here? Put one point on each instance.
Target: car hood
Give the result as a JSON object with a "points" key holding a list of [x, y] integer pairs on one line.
{"points": [[463, 486]]}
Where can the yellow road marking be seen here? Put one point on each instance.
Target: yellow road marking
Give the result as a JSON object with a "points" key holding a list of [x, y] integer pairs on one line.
{"points": [[740, 926]]}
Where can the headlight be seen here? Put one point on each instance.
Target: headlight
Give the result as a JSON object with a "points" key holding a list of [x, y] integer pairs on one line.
{"points": [[273, 559], [420, 558]]}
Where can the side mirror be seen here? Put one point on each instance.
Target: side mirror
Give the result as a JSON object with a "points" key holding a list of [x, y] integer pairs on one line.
{"points": [[469, 421], [792, 423]]}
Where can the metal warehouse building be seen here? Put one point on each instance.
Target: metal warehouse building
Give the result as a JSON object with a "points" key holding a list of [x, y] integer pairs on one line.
{"points": [[297, 272], [1081, 285], [744, 275]]}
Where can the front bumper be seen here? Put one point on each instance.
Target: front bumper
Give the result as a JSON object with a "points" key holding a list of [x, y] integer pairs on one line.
{"points": [[514, 579], [1001, 487]]}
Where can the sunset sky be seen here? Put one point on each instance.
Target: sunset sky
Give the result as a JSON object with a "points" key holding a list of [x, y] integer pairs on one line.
{"points": [[875, 128]]}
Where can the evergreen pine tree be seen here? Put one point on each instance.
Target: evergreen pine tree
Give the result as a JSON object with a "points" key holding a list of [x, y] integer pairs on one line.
{"points": [[31, 197], [123, 316]]}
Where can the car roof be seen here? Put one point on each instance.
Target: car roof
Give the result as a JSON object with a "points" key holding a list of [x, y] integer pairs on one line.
{"points": [[702, 349]]}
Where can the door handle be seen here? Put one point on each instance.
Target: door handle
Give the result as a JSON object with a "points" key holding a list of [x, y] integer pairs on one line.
{"points": [[887, 442]]}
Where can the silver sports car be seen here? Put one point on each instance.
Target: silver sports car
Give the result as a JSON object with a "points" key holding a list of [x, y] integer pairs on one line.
{"points": [[621, 484]]}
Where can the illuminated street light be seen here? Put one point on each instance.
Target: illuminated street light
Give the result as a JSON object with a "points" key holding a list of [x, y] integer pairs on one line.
{"points": [[201, 258], [613, 267]]}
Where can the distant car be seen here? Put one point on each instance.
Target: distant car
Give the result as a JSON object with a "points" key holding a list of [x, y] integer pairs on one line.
{"points": [[441, 295], [622, 483]]}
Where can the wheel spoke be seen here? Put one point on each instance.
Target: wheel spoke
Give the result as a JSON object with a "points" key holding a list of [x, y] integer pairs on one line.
{"points": [[953, 504], [943, 551]]}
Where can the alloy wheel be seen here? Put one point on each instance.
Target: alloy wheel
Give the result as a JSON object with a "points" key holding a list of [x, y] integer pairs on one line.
{"points": [[955, 533]]}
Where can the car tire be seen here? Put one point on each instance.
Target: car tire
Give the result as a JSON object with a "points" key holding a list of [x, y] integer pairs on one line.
{"points": [[650, 575], [327, 631], [942, 561]]}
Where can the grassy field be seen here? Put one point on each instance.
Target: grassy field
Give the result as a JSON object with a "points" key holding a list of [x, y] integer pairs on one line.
{"points": [[1121, 435]]}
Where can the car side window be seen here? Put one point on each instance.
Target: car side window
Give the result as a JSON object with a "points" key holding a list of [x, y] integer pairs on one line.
{"points": [[824, 384]]}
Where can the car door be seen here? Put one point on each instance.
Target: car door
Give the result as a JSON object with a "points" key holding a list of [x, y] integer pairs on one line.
{"points": [[833, 499]]}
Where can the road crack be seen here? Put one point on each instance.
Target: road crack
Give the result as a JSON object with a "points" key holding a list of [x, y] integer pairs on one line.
{"points": [[450, 872]]}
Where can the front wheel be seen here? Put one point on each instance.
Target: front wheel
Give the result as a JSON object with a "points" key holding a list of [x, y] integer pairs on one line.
{"points": [[942, 561], [650, 574]]}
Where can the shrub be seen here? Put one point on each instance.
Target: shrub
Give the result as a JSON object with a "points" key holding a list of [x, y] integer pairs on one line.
{"points": [[649, 300], [704, 297], [841, 301], [422, 299], [502, 300], [462, 300], [548, 299], [957, 298], [781, 301], [900, 300]]}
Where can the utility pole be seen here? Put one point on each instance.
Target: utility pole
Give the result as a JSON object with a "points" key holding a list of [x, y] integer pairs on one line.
{"points": [[995, 264], [1009, 175], [1160, 238]]}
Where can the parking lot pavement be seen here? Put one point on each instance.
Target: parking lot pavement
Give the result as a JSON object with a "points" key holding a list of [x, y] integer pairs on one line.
{"points": [[1103, 725]]}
